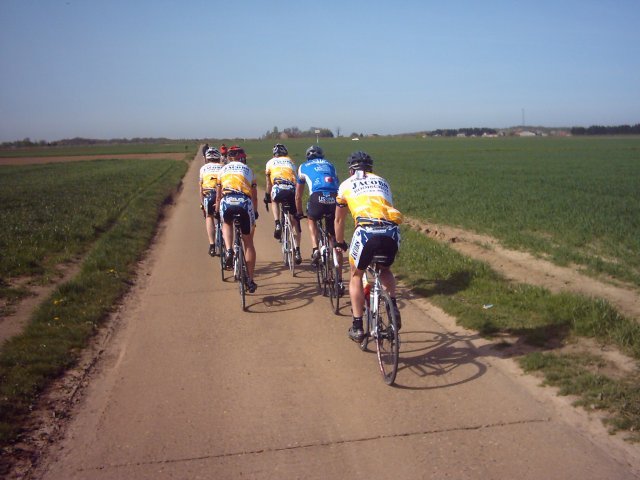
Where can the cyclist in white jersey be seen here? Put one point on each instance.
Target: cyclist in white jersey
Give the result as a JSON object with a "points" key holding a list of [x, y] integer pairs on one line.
{"points": [[208, 183]]}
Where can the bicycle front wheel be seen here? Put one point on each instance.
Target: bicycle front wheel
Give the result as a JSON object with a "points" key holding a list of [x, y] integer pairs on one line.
{"points": [[387, 339]]}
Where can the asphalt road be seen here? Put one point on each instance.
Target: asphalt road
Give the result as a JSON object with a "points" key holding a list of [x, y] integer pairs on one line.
{"points": [[192, 387]]}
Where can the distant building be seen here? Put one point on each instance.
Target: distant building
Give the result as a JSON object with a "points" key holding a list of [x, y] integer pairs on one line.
{"points": [[526, 133]]}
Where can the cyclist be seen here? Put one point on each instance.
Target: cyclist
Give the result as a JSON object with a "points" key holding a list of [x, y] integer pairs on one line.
{"points": [[369, 199], [237, 193], [205, 147], [281, 179], [208, 182], [320, 176]]}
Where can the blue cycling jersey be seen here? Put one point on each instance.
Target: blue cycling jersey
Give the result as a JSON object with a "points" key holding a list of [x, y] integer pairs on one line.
{"points": [[320, 175]]}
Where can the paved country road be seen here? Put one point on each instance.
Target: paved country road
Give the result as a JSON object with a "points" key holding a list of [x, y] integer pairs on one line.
{"points": [[192, 387]]}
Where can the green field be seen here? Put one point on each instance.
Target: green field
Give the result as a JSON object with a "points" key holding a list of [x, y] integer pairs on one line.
{"points": [[115, 149], [52, 213], [105, 210], [572, 200]]}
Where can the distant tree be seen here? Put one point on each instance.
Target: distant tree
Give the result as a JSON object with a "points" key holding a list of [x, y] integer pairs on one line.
{"points": [[338, 130], [293, 132]]}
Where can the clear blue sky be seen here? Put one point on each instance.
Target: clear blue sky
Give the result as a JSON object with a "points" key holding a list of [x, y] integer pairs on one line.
{"points": [[186, 68]]}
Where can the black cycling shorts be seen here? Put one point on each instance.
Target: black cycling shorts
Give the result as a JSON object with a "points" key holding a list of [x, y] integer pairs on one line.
{"points": [[321, 204], [369, 241]]}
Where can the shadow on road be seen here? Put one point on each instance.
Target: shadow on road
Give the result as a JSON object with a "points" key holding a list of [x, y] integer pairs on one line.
{"points": [[279, 291], [447, 359]]}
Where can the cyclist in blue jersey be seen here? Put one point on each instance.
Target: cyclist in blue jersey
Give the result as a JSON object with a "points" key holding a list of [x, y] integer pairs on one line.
{"points": [[320, 176]]}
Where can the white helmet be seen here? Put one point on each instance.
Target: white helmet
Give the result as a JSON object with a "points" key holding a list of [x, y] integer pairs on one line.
{"points": [[212, 155]]}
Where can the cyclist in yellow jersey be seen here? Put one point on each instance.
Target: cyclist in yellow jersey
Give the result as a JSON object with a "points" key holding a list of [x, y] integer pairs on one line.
{"points": [[281, 180], [208, 183], [237, 194], [369, 199]]}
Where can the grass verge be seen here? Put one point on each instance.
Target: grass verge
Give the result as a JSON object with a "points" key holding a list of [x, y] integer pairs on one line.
{"points": [[581, 375], [484, 301], [63, 324]]}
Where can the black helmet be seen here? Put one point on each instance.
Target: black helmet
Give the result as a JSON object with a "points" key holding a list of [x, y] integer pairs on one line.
{"points": [[280, 150], [314, 151], [360, 161]]}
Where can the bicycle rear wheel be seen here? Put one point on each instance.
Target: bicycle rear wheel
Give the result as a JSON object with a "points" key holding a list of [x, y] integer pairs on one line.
{"points": [[285, 244], [219, 242], [387, 339], [366, 324], [241, 276], [318, 269], [291, 242], [220, 248], [332, 282], [222, 266]]}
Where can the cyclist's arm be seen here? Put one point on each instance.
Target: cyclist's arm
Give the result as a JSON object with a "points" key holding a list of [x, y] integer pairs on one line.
{"points": [[299, 192], [218, 196], [341, 215], [254, 196], [268, 182]]}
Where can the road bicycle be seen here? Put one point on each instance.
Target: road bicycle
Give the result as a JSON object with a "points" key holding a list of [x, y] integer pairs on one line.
{"points": [[240, 273], [328, 270], [287, 238], [380, 323]]}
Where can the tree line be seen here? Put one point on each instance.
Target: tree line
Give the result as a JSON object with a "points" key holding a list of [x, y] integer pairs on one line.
{"points": [[79, 141], [601, 130], [452, 132], [295, 132]]}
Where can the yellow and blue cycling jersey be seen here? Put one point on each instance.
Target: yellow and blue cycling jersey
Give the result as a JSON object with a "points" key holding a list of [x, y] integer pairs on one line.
{"points": [[209, 175], [369, 199], [281, 169], [236, 177]]}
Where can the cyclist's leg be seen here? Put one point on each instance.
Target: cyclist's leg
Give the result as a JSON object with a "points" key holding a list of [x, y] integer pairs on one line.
{"points": [[389, 247], [248, 224], [226, 217], [331, 232], [388, 281], [249, 253], [356, 292], [313, 231], [209, 210], [211, 229], [314, 214]]}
